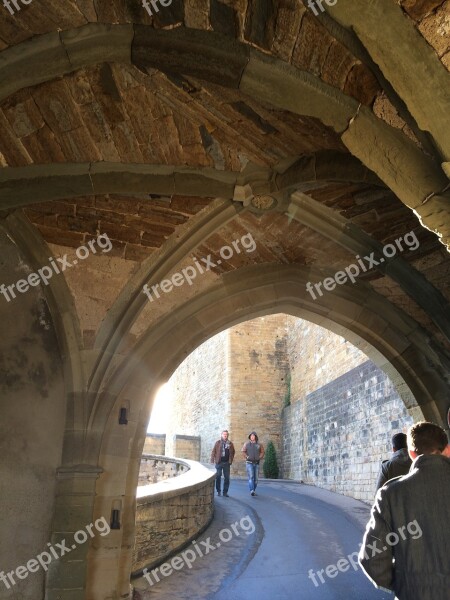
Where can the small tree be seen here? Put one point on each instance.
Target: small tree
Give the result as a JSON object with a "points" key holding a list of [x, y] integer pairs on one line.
{"points": [[270, 466]]}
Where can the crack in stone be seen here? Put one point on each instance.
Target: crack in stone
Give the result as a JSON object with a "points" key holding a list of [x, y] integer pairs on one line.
{"points": [[65, 49], [438, 193]]}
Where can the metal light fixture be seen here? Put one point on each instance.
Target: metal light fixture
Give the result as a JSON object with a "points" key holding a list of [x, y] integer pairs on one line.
{"points": [[123, 417], [115, 519]]}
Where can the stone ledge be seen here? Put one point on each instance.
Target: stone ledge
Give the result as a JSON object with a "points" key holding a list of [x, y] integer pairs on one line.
{"points": [[190, 481], [164, 526]]}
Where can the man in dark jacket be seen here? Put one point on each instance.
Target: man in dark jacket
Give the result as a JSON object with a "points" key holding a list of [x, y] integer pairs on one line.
{"points": [[222, 456], [406, 544], [253, 453], [398, 464]]}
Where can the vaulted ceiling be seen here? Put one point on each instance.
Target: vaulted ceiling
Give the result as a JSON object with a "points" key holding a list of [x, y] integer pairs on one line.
{"points": [[327, 134]]}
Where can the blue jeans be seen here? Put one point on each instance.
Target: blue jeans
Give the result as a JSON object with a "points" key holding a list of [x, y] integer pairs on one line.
{"points": [[225, 467], [252, 474]]}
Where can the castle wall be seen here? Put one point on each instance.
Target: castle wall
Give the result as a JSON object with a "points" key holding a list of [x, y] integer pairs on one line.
{"points": [[336, 436], [329, 410], [201, 396], [258, 381], [317, 357], [32, 423], [155, 443]]}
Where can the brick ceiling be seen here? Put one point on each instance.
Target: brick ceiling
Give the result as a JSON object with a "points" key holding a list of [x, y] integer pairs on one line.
{"points": [[121, 113]]}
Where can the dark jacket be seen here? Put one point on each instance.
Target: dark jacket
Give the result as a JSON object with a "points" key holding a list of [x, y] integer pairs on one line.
{"points": [[216, 453], [253, 452], [397, 465], [415, 507]]}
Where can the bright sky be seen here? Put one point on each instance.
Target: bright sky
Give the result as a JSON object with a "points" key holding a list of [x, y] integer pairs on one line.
{"points": [[160, 413]]}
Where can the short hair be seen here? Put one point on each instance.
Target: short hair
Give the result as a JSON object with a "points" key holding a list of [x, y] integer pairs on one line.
{"points": [[425, 438], [225, 431], [399, 441]]}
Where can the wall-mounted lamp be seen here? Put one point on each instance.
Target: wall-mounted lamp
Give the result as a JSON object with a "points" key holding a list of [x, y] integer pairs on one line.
{"points": [[115, 514], [123, 417], [115, 519]]}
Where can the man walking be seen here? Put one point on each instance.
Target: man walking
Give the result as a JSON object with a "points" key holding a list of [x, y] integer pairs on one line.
{"points": [[222, 456], [253, 453], [415, 567], [398, 464]]}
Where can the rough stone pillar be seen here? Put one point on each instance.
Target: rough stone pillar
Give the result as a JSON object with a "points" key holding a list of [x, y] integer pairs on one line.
{"points": [[66, 576]]}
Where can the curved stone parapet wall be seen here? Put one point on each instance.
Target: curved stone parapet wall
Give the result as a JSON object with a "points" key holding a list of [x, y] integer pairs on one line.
{"points": [[172, 512], [156, 468]]}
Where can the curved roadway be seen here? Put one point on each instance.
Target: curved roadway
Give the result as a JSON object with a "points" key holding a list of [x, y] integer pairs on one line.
{"points": [[275, 545]]}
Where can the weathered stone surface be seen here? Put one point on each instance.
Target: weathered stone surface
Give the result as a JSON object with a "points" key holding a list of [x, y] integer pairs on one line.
{"points": [[405, 59], [69, 180], [223, 18], [417, 9], [289, 18], [260, 22], [24, 118], [70, 95], [37, 61], [394, 160], [310, 54], [19, 157], [361, 84], [222, 60], [284, 87], [341, 405], [435, 28], [165, 521], [315, 395], [98, 42]]}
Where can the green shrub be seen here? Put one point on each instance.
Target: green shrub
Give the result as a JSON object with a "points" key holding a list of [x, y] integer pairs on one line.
{"points": [[270, 466]]}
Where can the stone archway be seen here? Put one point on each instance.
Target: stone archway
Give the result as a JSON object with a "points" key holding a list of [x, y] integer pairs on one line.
{"points": [[230, 48], [393, 344]]}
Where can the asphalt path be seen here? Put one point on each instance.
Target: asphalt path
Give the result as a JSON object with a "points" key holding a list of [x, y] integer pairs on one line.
{"points": [[271, 546]]}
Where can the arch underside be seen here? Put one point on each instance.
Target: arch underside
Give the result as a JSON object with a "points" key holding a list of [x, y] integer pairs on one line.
{"points": [[379, 330], [177, 68], [179, 134], [188, 58]]}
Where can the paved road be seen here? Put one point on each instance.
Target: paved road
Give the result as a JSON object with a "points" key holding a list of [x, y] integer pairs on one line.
{"points": [[265, 547]]}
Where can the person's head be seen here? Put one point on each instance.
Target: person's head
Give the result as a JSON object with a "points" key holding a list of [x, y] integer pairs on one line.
{"points": [[426, 438], [253, 437], [225, 435], [399, 441]]}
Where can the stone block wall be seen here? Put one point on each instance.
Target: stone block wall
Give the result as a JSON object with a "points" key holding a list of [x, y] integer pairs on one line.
{"points": [[317, 356], [336, 436], [343, 409], [209, 396], [187, 446], [158, 468], [258, 382], [166, 521], [201, 396], [155, 443]]}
